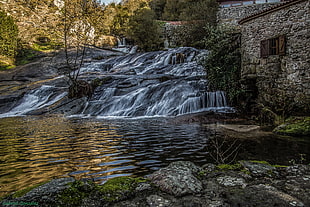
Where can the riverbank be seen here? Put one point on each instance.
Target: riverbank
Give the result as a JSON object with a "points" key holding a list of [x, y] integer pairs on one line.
{"points": [[182, 183]]}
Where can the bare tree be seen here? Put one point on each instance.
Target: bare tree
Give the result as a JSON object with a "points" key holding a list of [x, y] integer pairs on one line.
{"points": [[222, 150], [77, 33]]}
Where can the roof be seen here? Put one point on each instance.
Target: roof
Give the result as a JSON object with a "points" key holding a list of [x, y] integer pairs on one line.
{"points": [[270, 10]]}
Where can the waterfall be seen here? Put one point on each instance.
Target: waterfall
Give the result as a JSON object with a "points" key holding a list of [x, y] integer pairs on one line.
{"points": [[36, 99], [140, 84], [156, 84]]}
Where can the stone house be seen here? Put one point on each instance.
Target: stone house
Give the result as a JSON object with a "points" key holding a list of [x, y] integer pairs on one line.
{"points": [[275, 50]]}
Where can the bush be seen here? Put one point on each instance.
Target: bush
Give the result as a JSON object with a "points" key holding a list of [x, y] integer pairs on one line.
{"points": [[8, 35], [144, 30], [223, 63]]}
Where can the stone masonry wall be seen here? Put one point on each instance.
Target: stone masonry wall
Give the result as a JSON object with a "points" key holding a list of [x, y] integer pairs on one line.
{"points": [[283, 82], [232, 15]]}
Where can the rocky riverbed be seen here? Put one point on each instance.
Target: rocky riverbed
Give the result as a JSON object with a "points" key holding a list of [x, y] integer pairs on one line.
{"points": [[182, 183]]}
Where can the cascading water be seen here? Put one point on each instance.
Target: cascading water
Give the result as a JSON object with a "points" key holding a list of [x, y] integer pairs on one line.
{"points": [[162, 83]]}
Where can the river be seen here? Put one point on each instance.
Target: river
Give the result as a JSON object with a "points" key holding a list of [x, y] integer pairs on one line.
{"points": [[126, 128]]}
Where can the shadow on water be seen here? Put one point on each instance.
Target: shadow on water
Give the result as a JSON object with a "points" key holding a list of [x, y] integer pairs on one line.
{"points": [[37, 149]]}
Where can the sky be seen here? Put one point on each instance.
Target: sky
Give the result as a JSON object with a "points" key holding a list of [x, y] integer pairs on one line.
{"points": [[110, 1]]}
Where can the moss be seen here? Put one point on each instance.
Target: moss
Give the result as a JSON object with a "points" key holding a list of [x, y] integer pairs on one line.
{"points": [[43, 47], [119, 188], [279, 166], [77, 191], [22, 192], [245, 171], [201, 174], [295, 127], [224, 167]]}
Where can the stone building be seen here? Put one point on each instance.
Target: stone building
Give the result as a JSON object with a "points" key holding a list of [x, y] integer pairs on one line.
{"points": [[275, 51], [231, 12]]}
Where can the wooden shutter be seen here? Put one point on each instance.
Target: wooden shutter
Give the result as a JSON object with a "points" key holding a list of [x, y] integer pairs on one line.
{"points": [[264, 48], [282, 45]]}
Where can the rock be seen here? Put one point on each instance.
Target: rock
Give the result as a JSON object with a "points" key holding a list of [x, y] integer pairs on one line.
{"points": [[261, 195], [231, 181], [240, 128], [46, 193], [157, 201], [258, 169], [209, 167], [68, 106], [177, 185], [178, 178]]}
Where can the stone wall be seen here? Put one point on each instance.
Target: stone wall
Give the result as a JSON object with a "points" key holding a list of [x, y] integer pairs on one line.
{"points": [[232, 15], [283, 82]]}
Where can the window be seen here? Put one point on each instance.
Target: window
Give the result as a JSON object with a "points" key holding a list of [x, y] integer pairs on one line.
{"points": [[273, 46]]}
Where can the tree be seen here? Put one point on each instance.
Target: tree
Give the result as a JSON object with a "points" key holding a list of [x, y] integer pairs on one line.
{"points": [[195, 15], [223, 63], [144, 30], [173, 9], [158, 7], [77, 33], [8, 35]]}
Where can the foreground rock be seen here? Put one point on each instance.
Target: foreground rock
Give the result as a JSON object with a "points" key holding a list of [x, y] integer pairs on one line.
{"points": [[248, 183]]}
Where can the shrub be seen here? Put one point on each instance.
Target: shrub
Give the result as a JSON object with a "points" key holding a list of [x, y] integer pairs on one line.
{"points": [[8, 35], [223, 63]]}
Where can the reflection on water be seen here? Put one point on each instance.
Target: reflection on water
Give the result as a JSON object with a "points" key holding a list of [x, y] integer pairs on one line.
{"points": [[37, 149]]}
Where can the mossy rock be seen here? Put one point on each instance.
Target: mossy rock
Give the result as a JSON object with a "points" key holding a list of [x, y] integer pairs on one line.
{"points": [[119, 188], [76, 192], [22, 192], [298, 126], [224, 167]]}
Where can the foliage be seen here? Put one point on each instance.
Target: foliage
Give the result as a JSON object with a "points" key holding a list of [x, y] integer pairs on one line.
{"points": [[195, 15], [175, 10], [119, 187], [144, 30], [8, 36], [77, 33], [295, 127], [223, 63], [158, 7]]}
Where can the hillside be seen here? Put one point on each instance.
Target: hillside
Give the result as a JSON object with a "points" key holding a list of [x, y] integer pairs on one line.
{"points": [[36, 20]]}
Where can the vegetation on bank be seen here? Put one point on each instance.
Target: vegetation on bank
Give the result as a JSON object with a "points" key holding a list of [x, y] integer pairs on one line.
{"points": [[8, 40], [294, 126], [113, 190], [223, 63]]}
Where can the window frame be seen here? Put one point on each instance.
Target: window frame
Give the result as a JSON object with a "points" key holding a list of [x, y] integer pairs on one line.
{"points": [[273, 46]]}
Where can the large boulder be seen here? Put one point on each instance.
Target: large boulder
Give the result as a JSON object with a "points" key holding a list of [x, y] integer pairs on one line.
{"points": [[178, 179]]}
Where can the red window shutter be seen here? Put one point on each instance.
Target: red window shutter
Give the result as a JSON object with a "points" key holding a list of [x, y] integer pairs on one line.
{"points": [[264, 48], [282, 45]]}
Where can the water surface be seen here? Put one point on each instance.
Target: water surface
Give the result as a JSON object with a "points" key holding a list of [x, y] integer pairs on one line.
{"points": [[34, 149]]}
